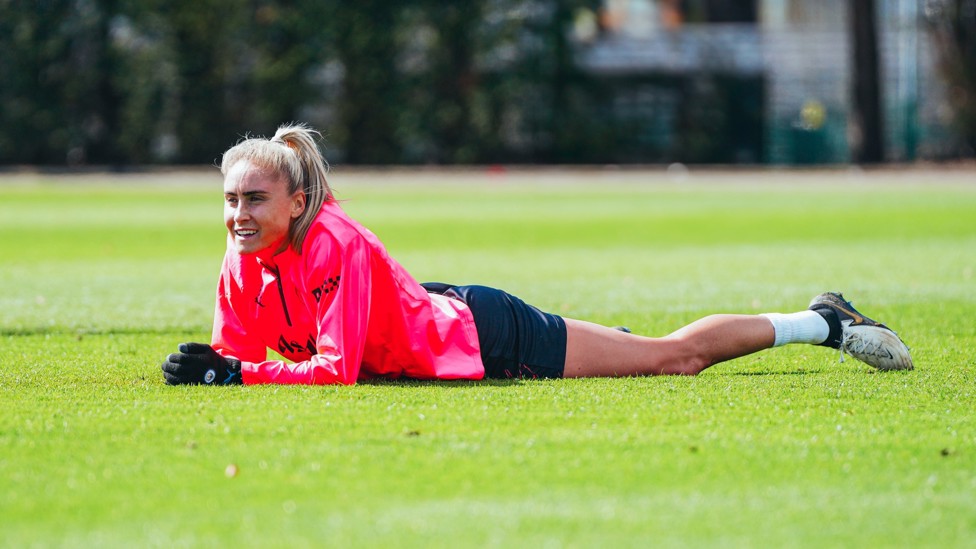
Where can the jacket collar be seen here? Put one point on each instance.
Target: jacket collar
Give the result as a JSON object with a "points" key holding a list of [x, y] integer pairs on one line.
{"points": [[275, 260]]}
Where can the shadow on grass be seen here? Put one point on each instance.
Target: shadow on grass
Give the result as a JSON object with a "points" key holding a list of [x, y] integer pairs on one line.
{"points": [[457, 384], [775, 373], [407, 383], [460, 383]]}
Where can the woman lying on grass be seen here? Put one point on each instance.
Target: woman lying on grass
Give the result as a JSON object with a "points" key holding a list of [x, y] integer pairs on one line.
{"points": [[303, 278]]}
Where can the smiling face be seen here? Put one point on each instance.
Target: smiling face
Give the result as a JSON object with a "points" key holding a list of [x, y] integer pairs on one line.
{"points": [[258, 209]]}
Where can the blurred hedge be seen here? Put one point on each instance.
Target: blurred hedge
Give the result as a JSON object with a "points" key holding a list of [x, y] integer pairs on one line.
{"points": [[952, 24], [415, 81], [410, 82]]}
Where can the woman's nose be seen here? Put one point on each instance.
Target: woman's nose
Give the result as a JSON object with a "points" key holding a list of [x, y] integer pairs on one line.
{"points": [[241, 212]]}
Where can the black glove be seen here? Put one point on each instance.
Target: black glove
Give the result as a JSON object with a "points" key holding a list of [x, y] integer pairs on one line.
{"points": [[199, 363]]}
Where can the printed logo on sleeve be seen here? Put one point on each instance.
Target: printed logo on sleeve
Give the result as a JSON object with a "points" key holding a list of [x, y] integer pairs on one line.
{"points": [[327, 287]]}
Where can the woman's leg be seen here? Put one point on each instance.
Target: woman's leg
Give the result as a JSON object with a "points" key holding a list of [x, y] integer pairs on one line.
{"points": [[597, 351]]}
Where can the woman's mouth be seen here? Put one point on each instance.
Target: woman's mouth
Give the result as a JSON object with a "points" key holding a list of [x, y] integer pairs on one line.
{"points": [[244, 233]]}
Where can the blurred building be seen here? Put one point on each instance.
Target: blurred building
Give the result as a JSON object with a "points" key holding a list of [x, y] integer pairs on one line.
{"points": [[771, 79]]}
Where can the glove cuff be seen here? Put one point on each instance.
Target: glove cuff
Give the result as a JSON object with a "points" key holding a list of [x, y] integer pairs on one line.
{"points": [[225, 371], [233, 376]]}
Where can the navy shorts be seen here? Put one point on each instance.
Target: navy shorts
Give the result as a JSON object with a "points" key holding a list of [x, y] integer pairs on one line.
{"points": [[517, 340]]}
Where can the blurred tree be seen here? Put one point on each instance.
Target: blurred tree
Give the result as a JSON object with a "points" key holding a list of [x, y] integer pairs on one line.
{"points": [[416, 81], [147, 78], [575, 132], [199, 73], [469, 81], [718, 11], [868, 139], [56, 99], [533, 101], [953, 27], [289, 39], [212, 42], [364, 42], [437, 46]]}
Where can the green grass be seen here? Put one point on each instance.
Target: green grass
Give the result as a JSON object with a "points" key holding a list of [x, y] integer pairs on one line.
{"points": [[99, 280]]}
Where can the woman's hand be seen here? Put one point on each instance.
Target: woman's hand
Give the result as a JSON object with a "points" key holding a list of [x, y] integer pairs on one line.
{"points": [[198, 363]]}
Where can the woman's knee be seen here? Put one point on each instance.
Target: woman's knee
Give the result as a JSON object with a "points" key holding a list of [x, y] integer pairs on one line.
{"points": [[687, 356]]}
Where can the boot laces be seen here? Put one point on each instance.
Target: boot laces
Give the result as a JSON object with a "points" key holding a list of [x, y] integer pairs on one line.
{"points": [[854, 344]]}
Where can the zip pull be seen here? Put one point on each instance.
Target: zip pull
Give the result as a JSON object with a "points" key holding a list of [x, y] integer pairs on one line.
{"points": [[281, 291]]}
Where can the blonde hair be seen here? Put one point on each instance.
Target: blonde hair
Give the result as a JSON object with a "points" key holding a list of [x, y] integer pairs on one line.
{"points": [[291, 154]]}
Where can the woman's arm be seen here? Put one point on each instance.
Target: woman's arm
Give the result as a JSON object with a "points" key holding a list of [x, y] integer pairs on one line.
{"points": [[337, 287]]}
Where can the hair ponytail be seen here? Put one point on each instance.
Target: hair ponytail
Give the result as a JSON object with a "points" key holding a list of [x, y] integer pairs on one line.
{"points": [[300, 139], [294, 155]]}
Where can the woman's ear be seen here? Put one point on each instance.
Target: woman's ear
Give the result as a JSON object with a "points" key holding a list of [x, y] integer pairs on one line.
{"points": [[298, 204]]}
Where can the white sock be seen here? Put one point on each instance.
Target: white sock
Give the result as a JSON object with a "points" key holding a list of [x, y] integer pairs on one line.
{"points": [[802, 327]]}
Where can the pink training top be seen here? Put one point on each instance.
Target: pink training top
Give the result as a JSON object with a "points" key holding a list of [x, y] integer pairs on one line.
{"points": [[343, 310]]}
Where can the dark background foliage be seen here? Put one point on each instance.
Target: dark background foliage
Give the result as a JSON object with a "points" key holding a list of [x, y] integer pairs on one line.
{"points": [[121, 82]]}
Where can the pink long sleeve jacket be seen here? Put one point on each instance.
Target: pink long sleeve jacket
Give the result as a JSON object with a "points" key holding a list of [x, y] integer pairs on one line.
{"points": [[341, 311]]}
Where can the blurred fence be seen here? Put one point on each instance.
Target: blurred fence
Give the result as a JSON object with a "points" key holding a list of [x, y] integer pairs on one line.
{"points": [[470, 81]]}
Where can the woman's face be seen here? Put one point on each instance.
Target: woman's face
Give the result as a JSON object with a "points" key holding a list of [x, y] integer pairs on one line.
{"points": [[257, 207]]}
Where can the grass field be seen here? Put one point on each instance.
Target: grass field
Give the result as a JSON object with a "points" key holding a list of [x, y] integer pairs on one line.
{"points": [[101, 277]]}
